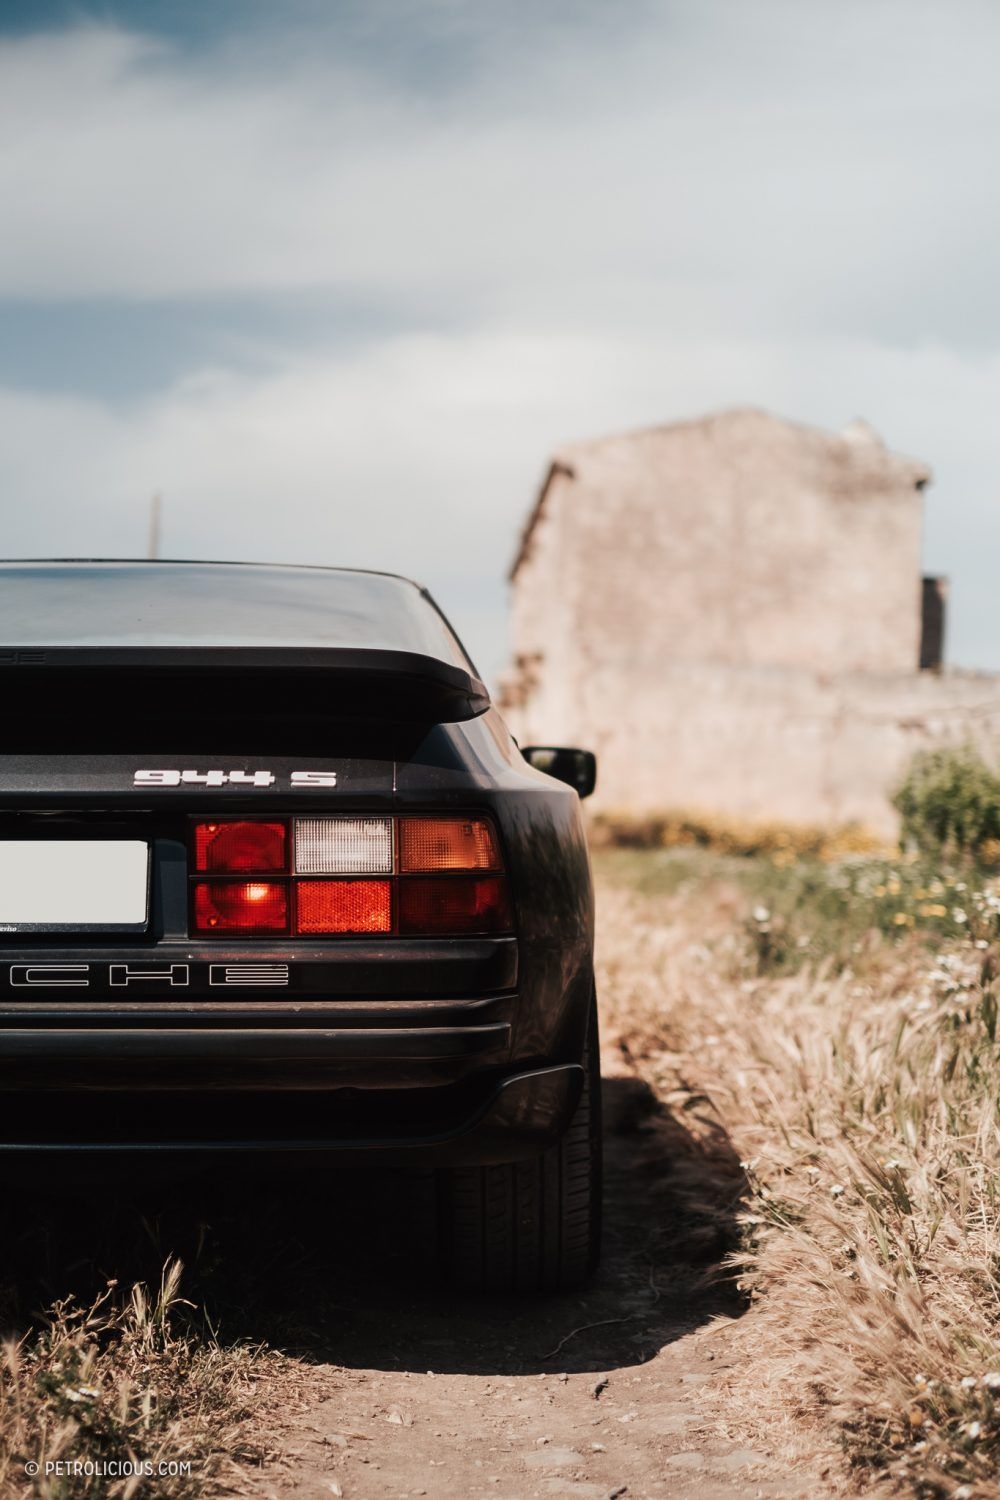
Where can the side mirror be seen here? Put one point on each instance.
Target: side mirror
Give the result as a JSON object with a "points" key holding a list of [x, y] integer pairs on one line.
{"points": [[578, 768]]}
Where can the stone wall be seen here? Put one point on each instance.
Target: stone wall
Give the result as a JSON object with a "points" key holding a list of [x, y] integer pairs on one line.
{"points": [[763, 742], [739, 538]]}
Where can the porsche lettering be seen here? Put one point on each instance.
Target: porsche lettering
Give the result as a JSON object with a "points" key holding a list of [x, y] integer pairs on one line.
{"points": [[51, 976], [122, 975], [145, 976]]}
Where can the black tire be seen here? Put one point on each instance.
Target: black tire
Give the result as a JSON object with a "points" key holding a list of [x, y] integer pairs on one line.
{"points": [[531, 1225]]}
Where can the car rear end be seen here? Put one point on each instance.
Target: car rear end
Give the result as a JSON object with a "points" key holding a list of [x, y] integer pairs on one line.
{"points": [[298, 898]]}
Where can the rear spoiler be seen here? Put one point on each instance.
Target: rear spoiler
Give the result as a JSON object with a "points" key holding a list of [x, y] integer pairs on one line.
{"points": [[223, 693]]}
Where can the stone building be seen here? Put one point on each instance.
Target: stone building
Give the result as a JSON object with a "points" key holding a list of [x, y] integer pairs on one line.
{"points": [[730, 612]]}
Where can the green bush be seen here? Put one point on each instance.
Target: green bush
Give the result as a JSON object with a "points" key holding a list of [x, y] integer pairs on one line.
{"points": [[949, 802]]}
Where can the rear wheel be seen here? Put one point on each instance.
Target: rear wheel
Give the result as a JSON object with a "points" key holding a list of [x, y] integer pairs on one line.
{"points": [[532, 1225]]}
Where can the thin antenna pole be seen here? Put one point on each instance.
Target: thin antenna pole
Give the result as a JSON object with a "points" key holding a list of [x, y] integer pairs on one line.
{"points": [[153, 550]]}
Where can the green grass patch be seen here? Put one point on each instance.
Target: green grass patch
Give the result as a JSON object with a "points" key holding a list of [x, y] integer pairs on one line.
{"points": [[806, 911]]}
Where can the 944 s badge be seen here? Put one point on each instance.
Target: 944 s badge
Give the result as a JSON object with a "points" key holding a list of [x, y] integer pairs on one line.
{"points": [[298, 779]]}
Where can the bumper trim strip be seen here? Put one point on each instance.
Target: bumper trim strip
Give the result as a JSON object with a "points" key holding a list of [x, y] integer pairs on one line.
{"points": [[305, 1044]]}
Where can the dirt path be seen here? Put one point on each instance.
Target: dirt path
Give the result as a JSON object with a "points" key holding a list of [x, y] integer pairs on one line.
{"points": [[376, 1383], [619, 1392], [380, 1384]]}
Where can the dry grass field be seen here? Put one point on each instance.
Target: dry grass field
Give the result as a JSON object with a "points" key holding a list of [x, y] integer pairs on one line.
{"points": [[836, 1023], [822, 1036], [118, 1383]]}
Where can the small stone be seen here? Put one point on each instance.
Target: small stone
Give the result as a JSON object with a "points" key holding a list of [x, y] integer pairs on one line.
{"points": [[689, 1460], [738, 1458], [554, 1458], [562, 1488]]}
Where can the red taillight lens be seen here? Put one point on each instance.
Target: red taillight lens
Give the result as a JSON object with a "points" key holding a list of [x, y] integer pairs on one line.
{"points": [[454, 906], [240, 906], [429, 844], [240, 848], [343, 906], [344, 874]]}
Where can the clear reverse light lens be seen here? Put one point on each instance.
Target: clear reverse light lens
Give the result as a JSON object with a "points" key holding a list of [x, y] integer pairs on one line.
{"points": [[343, 846]]}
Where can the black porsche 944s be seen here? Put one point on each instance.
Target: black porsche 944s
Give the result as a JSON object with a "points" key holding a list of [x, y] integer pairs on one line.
{"points": [[274, 876]]}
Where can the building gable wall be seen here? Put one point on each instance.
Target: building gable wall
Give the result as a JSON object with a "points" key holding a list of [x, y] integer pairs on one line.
{"points": [[728, 612]]}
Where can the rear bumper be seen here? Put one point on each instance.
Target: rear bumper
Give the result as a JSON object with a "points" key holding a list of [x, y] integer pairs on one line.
{"points": [[259, 1047], [504, 1119]]}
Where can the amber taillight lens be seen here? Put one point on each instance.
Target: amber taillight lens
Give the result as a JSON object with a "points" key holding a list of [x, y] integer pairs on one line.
{"points": [[431, 845]]}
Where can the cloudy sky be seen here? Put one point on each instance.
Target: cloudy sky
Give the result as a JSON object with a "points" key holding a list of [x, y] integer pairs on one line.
{"points": [[335, 276]]}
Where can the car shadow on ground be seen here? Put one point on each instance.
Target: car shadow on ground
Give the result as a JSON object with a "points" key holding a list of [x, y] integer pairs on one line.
{"points": [[333, 1267]]}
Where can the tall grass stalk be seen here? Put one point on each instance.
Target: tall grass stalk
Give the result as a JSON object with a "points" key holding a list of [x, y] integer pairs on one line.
{"points": [[129, 1381]]}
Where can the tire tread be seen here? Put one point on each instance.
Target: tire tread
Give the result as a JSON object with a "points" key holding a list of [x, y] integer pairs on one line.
{"points": [[532, 1225]]}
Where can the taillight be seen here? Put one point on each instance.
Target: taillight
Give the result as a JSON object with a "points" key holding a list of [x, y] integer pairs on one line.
{"points": [[240, 847], [429, 845], [248, 906], [459, 905], [343, 906], [323, 876], [343, 846]]}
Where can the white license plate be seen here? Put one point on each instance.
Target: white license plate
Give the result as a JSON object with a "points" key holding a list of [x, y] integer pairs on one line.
{"points": [[77, 883]]}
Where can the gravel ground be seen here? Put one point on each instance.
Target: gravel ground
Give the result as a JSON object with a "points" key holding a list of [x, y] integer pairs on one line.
{"points": [[622, 1391]]}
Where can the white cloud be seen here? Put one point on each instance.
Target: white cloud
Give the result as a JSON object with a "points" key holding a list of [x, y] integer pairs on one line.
{"points": [[596, 225], [421, 455], [730, 168]]}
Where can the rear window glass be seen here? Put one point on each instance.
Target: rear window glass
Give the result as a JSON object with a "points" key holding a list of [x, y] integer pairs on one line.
{"points": [[217, 604]]}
